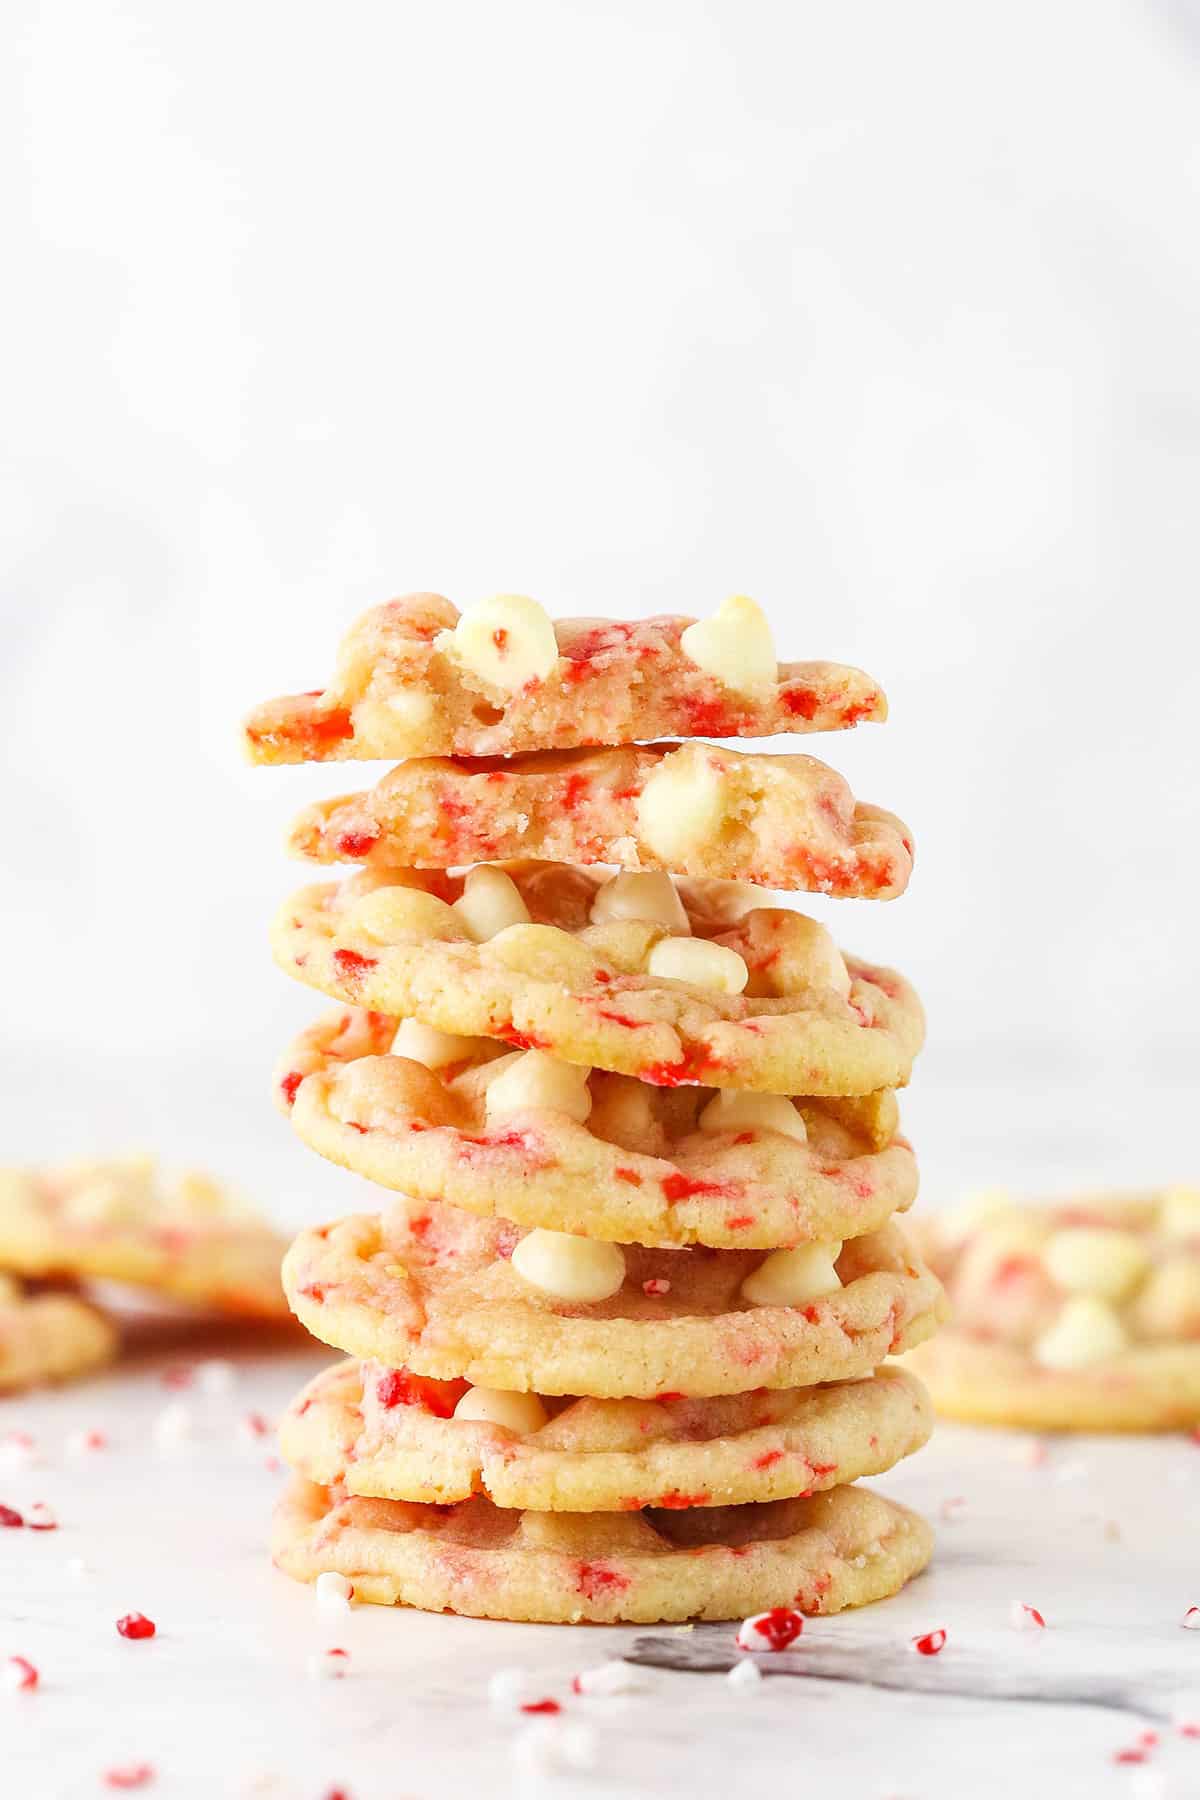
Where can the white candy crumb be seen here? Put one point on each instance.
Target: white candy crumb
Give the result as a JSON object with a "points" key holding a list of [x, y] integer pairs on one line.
{"points": [[40, 1517], [173, 1425], [18, 1451], [333, 1592], [216, 1377], [550, 1746], [77, 1568], [507, 1689], [1191, 1619], [744, 1674], [614, 1677], [329, 1665], [1148, 1784], [1023, 1618]]}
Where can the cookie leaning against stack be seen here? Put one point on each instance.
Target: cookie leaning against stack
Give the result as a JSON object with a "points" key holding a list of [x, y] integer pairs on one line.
{"points": [[617, 1336]]}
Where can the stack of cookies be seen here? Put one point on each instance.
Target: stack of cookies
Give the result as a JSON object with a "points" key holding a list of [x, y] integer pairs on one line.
{"points": [[616, 1336]]}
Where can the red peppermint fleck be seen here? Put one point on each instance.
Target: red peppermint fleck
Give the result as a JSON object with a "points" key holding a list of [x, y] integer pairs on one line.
{"points": [[20, 1675], [350, 965], [289, 1084], [930, 1644], [801, 702], [132, 1775], [1027, 1618], [674, 1500], [180, 1375], [678, 1186], [254, 1425], [357, 843], [542, 1706], [767, 1460], [1135, 1753], [136, 1625], [596, 1579], [10, 1517], [500, 639], [630, 1176]]}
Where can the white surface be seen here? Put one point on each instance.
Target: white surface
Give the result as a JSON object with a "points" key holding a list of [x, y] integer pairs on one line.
{"points": [[221, 1702]]}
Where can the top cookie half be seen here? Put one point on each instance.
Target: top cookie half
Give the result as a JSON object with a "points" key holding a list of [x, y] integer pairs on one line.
{"points": [[414, 677]]}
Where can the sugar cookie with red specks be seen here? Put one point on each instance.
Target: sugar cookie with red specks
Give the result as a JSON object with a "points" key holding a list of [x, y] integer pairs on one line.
{"points": [[1080, 1315], [402, 688], [49, 1337], [843, 1548], [434, 1289], [641, 1168], [785, 822], [807, 1022], [386, 1434], [119, 1220]]}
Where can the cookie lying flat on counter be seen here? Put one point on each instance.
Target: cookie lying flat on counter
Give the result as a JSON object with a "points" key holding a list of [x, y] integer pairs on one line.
{"points": [[1081, 1315], [389, 1434], [549, 957], [49, 1336], [819, 1555], [785, 822], [415, 677], [117, 1220]]}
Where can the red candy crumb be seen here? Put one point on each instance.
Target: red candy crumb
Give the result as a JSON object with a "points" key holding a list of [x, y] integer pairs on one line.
{"points": [[656, 1287], [19, 1675], [349, 965], [10, 1517], [133, 1775], [772, 1630], [767, 1460], [254, 1425], [136, 1625], [930, 1644], [357, 843], [1136, 1753], [542, 1706], [1027, 1618]]}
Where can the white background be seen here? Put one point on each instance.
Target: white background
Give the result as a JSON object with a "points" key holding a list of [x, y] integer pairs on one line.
{"points": [[887, 315]]}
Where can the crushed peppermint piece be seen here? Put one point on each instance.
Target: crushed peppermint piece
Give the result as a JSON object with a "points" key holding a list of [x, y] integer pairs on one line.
{"points": [[615, 1677], [551, 1746], [130, 1775], [329, 1665], [216, 1376], [10, 1518], [656, 1287], [82, 1443], [173, 1425], [136, 1625], [179, 1375], [508, 1689], [77, 1568], [772, 1630], [41, 1517], [953, 1509], [18, 1450], [745, 1674], [333, 1592], [931, 1643], [18, 1675], [1191, 1619], [253, 1426], [1025, 1618], [548, 1705]]}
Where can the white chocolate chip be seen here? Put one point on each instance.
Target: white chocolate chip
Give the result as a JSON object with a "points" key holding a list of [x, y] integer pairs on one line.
{"points": [[814, 960], [568, 1267], [520, 1413], [534, 1081], [735, 646], [333, 1593], [490, 902], [403, 719], [433, 1049], [699, 963], [544, 951], [1179, 1212], [683, 805], [1096, 1260], [1086, 1331], [389, 915], [730, 1110], [957, 1223], [505, 641], [792, 1277], [648, 895]]}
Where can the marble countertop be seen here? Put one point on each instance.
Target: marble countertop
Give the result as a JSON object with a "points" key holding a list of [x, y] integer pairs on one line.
{"points": [[1099, 1535]]}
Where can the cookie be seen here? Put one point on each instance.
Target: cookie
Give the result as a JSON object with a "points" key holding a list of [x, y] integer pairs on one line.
{"points": [[1082, 1315], [415, 677], [785, 822], [49, 1337], [436, 1290], [647, 1165], [627, 994], [833, 1550], [118, 1220], [384, 1433]]}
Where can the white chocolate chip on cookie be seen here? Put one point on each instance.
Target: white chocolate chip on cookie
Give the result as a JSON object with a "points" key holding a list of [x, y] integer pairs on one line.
{"points": [[545, 953], [1086, 1331], [650, 896], [434, 1049], [1179, 1212], [735, 646], [683, 804], [1096, 1260], [814, 958], [490, 902], [569, 1268], [791, 1277], [985, 1208], [390, 915], [533, 1081], [505, 641], [730, 1110], [499, 1406], [699, 963]]}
